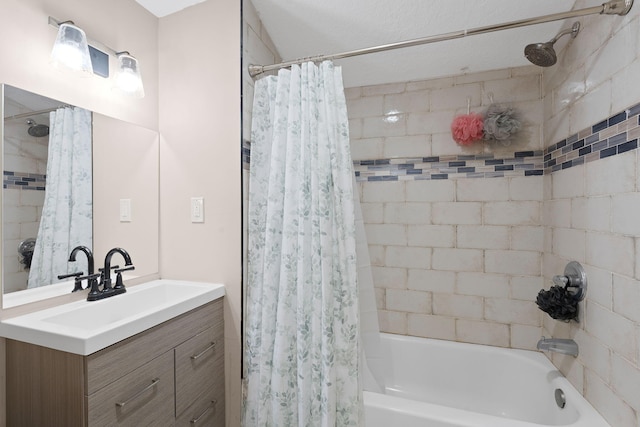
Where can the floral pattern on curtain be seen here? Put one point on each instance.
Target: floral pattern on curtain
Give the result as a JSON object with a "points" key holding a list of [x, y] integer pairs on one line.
{"points": [[67, 214], [302, 325]]}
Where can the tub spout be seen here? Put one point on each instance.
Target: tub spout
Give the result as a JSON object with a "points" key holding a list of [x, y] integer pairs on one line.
{"points": [[558, 345]]}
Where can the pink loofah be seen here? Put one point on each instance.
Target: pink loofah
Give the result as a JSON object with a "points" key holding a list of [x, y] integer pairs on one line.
{"points": [[467, 129]]}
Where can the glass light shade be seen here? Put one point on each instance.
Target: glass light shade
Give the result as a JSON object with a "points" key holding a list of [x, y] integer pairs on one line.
{"points": [[71, 49], [128, 77]]}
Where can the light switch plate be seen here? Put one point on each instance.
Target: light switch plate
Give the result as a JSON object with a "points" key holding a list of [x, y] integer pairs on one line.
{"points": [[197, 209], [125, 210]]}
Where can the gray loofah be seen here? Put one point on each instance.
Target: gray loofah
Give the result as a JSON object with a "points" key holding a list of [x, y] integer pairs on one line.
{"points": [[500, 123]]}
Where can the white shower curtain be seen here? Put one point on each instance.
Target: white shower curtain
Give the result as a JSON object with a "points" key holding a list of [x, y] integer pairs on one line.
{"points": [[66, 219], [302, 326]]}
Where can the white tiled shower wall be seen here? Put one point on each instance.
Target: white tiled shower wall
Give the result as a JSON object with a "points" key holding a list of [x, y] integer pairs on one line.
{"points": [[456, 259], [21, 208], [511, 232], [591, 214]]}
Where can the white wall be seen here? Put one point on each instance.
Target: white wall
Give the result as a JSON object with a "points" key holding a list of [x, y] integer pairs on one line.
{"points": [[200, 88], [591, 211], [457, 258]]}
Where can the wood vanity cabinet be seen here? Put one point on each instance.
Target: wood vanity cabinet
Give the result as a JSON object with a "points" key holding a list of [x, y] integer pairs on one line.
{"points": [[169, 375]]}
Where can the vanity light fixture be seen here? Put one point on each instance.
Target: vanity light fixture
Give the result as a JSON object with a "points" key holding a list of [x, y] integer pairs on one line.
{"points": [[74, 50], [128, 78], [71, 48]]}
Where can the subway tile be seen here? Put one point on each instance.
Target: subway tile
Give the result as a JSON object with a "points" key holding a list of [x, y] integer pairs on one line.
{"points": [[483, 285], [383, 89], [372, 213], [435, 236], [456, 213], [383, 192], [457, 259], [474, 190], [612, 407], [387, 277], [386, 234], [406, 146], [452, 98], [569, 243], [527, 238], [591, 213], [625, 378], [526, 287], [368, 106], [625, 208], [430, 326], [373, 127], [488, 333], [408, 257], [626, 295], [594, 354], [465, 306], [613, 175], [431, 280], [512, 213], [504, 310], [524, 336], [525, 263], [407, 213], [408, 301], [482, 237], [413, 101], [526, 188], [392, 322], [615, 331], [611, 252]]}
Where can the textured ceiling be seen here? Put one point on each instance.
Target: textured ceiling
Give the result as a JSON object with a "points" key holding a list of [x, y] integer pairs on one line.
{"points": [[303, 28]]}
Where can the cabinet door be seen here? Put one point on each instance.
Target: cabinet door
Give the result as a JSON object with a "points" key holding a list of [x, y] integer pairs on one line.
{"points": [[144, 397], [199, 365], [206, 411]]}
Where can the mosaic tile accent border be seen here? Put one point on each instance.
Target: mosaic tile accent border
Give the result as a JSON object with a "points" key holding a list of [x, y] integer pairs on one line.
{"points": [[523, 163], [614, 135], [246, 154], [24, 181]]}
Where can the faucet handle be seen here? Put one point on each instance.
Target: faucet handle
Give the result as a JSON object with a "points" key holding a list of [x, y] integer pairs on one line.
{"points": [[77, 283], [119, 282], [92, 283]]}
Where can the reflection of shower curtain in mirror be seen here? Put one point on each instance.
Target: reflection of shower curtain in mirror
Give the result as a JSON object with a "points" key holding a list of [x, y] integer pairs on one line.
{"points": [[66, 219]]}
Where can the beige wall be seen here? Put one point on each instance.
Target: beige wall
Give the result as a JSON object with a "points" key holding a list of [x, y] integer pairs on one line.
{"points": [[591, 212], [26, 40], [200, 156]]}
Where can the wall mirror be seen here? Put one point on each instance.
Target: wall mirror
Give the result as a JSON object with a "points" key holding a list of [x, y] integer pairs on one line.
{"points": [[108, 199]]}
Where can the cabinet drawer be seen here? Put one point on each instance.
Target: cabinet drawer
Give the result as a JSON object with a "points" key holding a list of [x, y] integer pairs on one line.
{"points": [[107, 365], [145, 397], [206, 411], [199, 364]]}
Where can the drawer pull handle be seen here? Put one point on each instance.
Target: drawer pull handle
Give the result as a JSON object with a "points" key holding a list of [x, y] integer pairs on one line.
{"points": [[154, 382], [198, 418], [199, 355]]}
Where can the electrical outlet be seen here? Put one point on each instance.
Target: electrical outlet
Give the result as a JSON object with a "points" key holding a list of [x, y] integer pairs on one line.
{"points": [[197, 209]]}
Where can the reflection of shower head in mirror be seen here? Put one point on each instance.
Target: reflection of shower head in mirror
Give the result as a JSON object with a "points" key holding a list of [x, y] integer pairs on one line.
{"points": [[37, 130]]}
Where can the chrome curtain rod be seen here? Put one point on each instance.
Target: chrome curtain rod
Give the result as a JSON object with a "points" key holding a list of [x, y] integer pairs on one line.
{"points": [[35, 113], [613, 7]]}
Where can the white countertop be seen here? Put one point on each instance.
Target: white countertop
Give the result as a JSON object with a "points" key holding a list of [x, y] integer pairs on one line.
{"points": [[84, 327]]}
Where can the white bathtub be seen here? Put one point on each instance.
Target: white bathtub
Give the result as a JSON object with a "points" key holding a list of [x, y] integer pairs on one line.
{"points": [[434, 383]]}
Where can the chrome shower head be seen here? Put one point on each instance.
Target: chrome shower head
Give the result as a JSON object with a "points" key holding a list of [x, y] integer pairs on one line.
{"points": [[36, 129], [543, 54]]}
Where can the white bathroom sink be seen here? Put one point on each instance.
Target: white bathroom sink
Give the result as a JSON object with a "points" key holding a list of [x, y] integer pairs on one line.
{"points": [[84, 327]]}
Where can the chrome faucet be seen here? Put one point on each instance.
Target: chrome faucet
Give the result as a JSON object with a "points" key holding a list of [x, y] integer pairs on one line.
{"points": [[558, 345]]}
